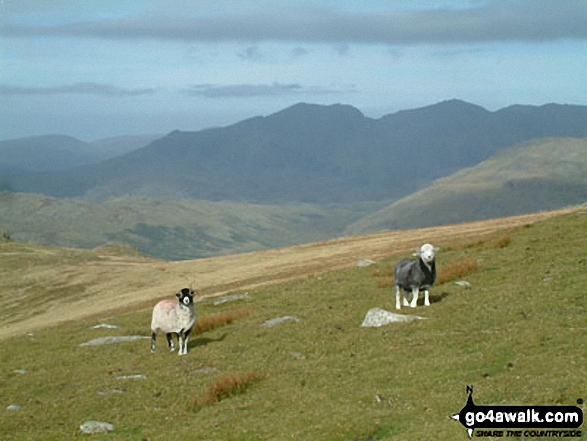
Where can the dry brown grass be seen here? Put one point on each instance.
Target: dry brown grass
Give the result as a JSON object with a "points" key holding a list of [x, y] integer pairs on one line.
{"points": [[457, 270], [503, 241], [226, 386], [214, 321]]}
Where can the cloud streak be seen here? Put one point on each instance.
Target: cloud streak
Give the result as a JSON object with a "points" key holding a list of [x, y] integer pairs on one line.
{"points": [[494, 21], [256, 90], [106, 90]]}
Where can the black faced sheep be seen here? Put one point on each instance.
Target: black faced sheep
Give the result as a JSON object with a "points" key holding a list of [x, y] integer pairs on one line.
{"points": [[172, 316], [412, 275]]}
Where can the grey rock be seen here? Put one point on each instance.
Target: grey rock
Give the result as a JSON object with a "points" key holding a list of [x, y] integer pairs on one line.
{"points": [[205, 370], [111, 391], [14, 406], [132, 377], [379, 317], [231, 298], [279, 320], [365, 262], [20, 371], [463, 283], [93, 427], [106, 326], [111, 340]]}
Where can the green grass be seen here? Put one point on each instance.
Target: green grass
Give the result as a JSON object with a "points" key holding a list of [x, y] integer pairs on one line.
{"points": [[518, 336], [172, 229]]}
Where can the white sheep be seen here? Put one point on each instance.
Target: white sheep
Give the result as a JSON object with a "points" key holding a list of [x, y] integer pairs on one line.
{"points": [[414, 275], [177, 317]]}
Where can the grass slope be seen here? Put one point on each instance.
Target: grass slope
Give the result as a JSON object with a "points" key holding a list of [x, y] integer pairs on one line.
{"points": [[171, 229], [537, 175], [518, 336]]}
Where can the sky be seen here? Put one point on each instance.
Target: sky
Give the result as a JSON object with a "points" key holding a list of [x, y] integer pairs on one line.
{"points": [[94, 69]]}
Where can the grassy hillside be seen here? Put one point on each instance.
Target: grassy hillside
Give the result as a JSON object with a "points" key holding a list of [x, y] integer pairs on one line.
{"points": [[517, 336], [537, 175], [171, 229]]}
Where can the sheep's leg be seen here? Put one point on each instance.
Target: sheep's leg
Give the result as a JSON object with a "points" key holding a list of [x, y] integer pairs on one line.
{"points": [[397, 298], [170, 342], [426, 298], [185, 341], [180, 343], [415, 291], [405, 300], [153, 338]]}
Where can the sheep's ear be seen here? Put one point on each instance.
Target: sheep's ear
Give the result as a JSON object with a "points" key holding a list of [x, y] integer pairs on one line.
{"points": [[416, 254], [178, 295]]}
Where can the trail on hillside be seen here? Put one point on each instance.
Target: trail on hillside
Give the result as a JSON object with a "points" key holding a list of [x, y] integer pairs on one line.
{"points": [[36, 297]]}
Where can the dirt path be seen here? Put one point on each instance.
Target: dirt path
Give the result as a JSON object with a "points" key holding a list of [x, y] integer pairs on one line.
{"points": [[108, 285]]}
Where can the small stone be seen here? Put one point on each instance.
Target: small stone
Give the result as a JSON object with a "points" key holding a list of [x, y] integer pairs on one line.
{"points": [[132, 377], [93, 427], [278, 321], [14, 406], [111, 340], [463, 283], [20, 371], [106, 326], [205, 370], [231, 298], [365, 262]]}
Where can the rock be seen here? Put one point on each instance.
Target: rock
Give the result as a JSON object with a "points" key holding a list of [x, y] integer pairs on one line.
{"points": [[463, 283], [92, 427], [278, 321], [20, 371], [379, 317], [111, 340], [205, 370], [365, 262], [132, 377], [14, 406], [231, 298], [105, 325], [111, 391]]}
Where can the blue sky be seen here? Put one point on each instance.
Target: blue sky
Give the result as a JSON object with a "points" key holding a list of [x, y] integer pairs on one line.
{"points": [[94, 69]]}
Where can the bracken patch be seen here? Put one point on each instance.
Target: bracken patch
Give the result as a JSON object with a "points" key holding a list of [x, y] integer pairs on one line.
{"points": [[226, 386], [213, 321]]}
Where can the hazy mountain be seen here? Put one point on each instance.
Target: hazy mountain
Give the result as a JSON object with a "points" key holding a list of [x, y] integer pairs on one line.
{"points": [[536, 175], [59, 152], [312, 153]]}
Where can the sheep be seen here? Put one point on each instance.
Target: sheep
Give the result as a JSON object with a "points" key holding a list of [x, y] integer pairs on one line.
{"points": [[177, 317], [414, 275]]}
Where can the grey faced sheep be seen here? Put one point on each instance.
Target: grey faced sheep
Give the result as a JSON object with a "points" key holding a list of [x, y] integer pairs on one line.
{"points": [[174, 316], [412, 275]]}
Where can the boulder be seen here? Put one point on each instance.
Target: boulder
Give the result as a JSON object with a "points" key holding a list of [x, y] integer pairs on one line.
{"points": [[93, 427], [379, 317]]}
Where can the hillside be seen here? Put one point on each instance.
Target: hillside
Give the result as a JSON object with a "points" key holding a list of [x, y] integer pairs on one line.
{"points": [[536, 175], [312, 154], [517, 335], [172, 229], [59, 152], [66, 278]]}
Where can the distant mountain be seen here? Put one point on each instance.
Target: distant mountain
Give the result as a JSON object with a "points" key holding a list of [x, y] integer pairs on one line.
{"points": [[58, 152], [536, 175], [312, 153]]}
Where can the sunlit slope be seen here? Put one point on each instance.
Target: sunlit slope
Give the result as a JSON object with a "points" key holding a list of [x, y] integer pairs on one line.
{"points": [[41, 286], [538, 175]]}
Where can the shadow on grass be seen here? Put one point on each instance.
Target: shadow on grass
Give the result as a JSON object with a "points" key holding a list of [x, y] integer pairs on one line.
{"points": [[204, 341]]}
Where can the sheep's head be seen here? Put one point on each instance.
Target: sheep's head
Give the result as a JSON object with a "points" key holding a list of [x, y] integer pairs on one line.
{"points": [[186, 296], [427, 253]]}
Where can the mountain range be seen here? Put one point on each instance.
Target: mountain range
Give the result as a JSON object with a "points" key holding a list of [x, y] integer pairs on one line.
{"points": [[311, 154], [306, 173]]}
